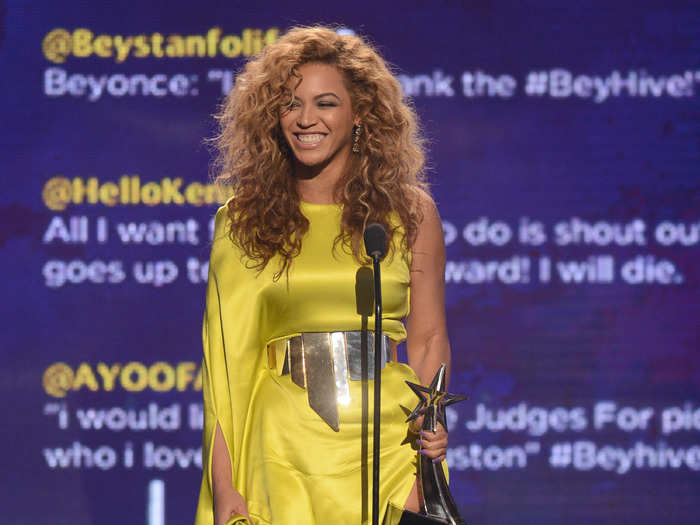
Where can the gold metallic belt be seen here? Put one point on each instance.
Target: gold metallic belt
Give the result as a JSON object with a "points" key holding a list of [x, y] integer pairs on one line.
{"points": [[325, 362]]}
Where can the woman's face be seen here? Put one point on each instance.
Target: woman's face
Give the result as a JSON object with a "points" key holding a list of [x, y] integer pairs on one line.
{"points": [[318, 124]]}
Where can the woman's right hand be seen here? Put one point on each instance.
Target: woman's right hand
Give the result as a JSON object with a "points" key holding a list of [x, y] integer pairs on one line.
{"points": [[233, 505], [228, 502]]}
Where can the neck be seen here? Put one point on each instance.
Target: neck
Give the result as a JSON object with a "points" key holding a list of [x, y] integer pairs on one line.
{"points": [[317, 195]]}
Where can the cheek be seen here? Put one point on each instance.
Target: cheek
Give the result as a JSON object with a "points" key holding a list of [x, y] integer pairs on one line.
{"points": [[287, 117], [284, 127], [342, 125], [284, 122]]}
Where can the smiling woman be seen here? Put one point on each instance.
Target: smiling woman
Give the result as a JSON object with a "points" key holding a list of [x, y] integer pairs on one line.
{"points": [[256, 157], [318, 127], [315, 143]]}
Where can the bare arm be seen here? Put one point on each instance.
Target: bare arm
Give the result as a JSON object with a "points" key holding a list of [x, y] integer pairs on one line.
{"points": [[227, 501], [218, 411], [427, 345]]}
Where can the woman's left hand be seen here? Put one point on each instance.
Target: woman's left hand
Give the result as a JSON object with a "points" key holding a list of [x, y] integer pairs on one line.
{"points": [[432, 444]]}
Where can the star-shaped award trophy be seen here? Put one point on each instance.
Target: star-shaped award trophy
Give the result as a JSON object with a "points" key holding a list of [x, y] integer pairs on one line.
{"points": [[436, 503]]}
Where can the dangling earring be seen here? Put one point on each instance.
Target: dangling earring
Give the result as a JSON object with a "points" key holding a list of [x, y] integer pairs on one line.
{"points": [[356, 138]]}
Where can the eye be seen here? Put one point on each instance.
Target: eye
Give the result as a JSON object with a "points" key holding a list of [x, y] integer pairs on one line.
{"points": [[327, 104]]}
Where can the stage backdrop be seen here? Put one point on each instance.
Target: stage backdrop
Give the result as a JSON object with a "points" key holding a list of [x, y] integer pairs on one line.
{"points": [[564, 161]]}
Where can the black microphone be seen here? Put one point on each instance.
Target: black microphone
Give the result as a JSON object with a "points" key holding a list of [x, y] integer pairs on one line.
{"points": [[375, 240]]}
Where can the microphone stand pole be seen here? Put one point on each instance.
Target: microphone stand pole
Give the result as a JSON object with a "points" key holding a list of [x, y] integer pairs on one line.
{"points": [[377, 386]]}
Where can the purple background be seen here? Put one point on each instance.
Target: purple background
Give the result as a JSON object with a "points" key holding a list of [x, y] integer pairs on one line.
{"points": [[546, 158]]}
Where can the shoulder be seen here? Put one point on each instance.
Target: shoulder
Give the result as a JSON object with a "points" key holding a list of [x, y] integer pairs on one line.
{"points": [[222, 245], [419, 200], [429, 246], [221, 223], [427, 212]]}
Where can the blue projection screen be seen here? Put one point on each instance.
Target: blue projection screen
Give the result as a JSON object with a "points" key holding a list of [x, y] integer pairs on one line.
{"points": [[563, 156]]}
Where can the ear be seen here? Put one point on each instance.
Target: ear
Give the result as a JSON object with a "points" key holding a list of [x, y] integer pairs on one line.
{"points": [[357, 118]]}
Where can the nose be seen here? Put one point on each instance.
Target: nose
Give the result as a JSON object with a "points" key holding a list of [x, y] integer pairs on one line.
{"points": [[306, 117]]}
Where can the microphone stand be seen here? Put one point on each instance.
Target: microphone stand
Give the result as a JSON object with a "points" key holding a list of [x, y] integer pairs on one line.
{"points": [[437, 504], [375, 246], [377, 384]]}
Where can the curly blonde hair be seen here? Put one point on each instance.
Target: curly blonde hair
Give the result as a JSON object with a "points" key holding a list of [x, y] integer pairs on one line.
{"points": [[254, 160]]}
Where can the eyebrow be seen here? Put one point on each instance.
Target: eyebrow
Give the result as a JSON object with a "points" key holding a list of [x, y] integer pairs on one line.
{"points": [[325, 95]]}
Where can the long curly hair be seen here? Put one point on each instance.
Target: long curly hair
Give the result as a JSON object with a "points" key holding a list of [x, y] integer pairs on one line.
{"points": [[254, 161]]}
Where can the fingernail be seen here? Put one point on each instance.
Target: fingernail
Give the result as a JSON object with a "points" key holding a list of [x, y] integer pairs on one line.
{"points": [[437, 460], [424, 452], [419, 442]]}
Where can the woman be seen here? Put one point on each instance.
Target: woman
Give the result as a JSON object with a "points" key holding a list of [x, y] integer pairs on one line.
{"points": [[316, 143]]}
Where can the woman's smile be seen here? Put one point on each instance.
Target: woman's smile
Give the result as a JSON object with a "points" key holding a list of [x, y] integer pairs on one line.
{"points": [[309, 140]]}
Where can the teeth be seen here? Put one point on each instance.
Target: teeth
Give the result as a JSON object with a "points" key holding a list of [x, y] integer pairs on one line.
{"points": [[310, 139]]}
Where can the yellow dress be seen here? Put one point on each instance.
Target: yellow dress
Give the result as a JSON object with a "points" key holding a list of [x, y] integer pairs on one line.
{"points": [[289, 465]]}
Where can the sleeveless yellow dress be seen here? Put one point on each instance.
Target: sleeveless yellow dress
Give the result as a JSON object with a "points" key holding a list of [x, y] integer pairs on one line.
{"points": [[289, 465]]}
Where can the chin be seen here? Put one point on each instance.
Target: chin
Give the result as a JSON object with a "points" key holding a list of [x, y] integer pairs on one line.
{"points": [[311, 160]]}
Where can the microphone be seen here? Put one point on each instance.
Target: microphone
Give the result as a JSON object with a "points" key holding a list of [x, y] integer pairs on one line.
{"points": [[375, 241]]}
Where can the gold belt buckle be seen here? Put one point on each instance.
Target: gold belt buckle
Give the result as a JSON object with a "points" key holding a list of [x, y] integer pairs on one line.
{"points": [[324, 362]]}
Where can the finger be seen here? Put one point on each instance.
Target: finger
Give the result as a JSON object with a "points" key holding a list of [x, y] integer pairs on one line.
{"points": [[432, 443], [433, 454], [429, 437]]}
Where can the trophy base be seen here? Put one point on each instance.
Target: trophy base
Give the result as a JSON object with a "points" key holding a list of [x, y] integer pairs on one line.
{"points": [[411, 518]]}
